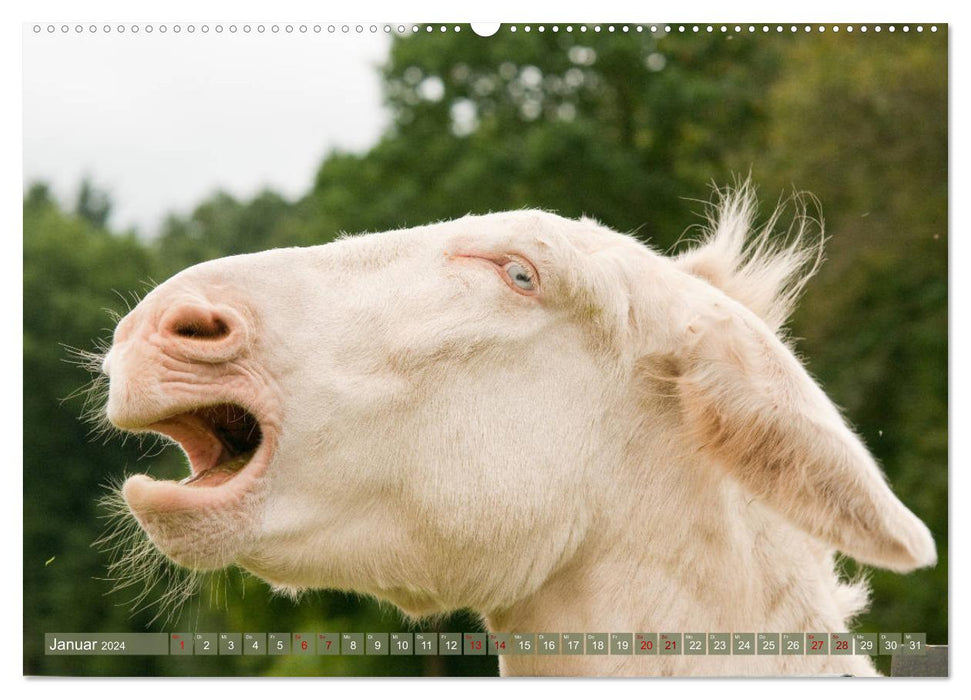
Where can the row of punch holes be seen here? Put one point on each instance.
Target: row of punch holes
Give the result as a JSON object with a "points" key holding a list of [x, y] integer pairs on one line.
{"points": [[428, 28]]}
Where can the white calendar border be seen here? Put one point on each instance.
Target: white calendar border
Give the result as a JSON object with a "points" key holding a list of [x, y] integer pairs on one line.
{"points": [[364, 10]]}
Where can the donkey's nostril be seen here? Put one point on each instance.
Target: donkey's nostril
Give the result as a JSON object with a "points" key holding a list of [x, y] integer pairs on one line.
{"points": [[198, 324], [203, 332], [212, 329]]}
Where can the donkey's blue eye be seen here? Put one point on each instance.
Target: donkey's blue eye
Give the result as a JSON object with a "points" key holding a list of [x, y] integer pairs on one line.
{"points": [[520, 276]]}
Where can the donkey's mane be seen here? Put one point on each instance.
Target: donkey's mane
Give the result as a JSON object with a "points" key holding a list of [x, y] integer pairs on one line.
{"points": [[760, 267]]}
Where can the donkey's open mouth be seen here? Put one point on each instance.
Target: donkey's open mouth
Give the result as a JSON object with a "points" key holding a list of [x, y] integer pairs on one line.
{"points": [[219, 441], [228, 448]]}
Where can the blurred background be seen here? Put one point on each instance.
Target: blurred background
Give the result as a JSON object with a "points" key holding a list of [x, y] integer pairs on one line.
{"points": [[630, 128]]}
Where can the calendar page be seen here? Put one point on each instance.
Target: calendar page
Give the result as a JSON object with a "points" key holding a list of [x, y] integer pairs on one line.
{"points": [[522, 349]]}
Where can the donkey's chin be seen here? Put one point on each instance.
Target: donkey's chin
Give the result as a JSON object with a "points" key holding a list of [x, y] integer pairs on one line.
{"points": [[193, 534]]}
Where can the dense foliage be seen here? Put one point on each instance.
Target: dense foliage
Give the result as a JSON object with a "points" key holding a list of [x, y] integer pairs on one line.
{"points": [[628, 128]]}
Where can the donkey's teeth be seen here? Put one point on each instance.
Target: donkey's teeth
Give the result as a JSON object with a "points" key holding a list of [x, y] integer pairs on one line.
{"points": [[229, 467]]}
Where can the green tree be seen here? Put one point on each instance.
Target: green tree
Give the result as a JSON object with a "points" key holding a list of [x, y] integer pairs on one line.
{"points": [[862, 123], [93, 205], [615, 126], [71, 267]]}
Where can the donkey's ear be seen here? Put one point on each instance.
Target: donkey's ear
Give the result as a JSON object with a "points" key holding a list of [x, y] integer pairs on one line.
{"points": [[749, 403]]}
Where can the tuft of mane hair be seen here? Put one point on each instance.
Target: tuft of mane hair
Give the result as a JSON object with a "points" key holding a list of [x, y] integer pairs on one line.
{"points": [[759, 268]]}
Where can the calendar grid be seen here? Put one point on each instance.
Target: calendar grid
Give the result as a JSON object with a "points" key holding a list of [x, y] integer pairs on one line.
{"points": [[486, 644]]}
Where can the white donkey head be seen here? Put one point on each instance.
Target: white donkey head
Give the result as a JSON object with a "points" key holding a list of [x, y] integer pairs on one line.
{"points": [[445, 416]]}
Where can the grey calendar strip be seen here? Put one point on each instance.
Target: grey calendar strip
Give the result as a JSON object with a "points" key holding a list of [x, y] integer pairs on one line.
{"points": [[482, 644]]}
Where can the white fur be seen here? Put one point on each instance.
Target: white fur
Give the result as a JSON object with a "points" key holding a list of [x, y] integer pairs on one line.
{"points": [[634, 449]]}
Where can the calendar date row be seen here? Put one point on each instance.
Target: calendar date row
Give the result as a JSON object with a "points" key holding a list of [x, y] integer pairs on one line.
{"points": [[483, 643]]}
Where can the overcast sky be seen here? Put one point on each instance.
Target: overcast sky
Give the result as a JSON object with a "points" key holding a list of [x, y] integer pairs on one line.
{"points": [[163, 120]]}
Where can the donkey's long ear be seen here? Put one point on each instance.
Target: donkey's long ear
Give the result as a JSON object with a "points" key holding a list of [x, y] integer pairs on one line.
{"points": [[749, 403]]}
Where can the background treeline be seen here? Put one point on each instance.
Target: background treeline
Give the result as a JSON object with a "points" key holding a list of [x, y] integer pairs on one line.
{"points": [[628, 128]]}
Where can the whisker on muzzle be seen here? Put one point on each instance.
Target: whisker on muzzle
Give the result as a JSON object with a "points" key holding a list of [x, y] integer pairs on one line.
{"points": [[94, 393], [144, 578]]}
